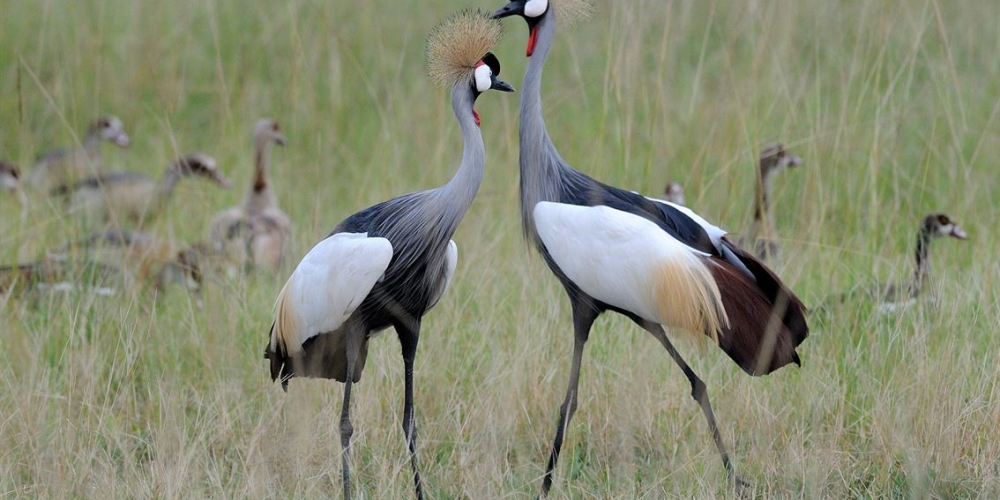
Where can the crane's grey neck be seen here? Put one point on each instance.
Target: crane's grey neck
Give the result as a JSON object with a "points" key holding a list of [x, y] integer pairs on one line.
{"points": [[455, 197], [542, 169], [260, 196]]}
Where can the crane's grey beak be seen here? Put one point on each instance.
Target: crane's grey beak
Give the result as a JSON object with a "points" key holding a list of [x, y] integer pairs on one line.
{"points": [[794, 161], [510, 9], [280, 140], [501, 85]]}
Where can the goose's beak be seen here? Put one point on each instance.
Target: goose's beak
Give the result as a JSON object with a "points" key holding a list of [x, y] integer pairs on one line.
{"points": [[795, 161], [957, 232], [121, 140]]}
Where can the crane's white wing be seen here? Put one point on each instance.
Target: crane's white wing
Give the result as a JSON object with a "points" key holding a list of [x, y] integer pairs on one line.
{"points": [[327, 286], [628, 262], [715, 233], [451, 261]]}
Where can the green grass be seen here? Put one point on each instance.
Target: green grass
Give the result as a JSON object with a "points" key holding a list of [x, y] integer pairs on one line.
{"points": [[894, 106]]}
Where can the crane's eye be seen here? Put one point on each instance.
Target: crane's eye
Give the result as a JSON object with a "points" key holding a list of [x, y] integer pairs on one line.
{"points": [[275, 127], [535, 8], [483, 77]]}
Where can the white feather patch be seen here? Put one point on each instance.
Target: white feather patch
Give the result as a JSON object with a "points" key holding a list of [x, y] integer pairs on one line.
{"points": [[327, 286], [451, 262], [535, 8], [715, 233], [483, 75], [629, 262]]}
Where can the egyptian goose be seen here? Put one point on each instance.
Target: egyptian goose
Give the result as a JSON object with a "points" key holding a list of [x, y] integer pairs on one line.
{"points": [[65, 165], [763, 237], [255, 233], [134, 196]]}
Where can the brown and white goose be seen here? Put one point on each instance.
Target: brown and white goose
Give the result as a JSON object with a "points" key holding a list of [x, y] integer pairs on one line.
{"points": [[143, 258], [134, 196], [255, 233], [10, 176], [674, 193], [893, 296], [59, 275], [65, 165], [763, 237]]}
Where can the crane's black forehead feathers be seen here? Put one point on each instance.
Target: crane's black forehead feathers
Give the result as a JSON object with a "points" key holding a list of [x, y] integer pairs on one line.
{"points": [[491, 60]]}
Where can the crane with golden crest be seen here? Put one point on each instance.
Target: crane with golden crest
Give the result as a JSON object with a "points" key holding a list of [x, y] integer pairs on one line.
{"points": [[657, 263], [389, 264]]}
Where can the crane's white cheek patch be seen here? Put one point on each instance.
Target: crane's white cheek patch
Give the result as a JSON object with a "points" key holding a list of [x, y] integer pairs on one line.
{"points": [[484, 78], [629, 262], [535, 8]]}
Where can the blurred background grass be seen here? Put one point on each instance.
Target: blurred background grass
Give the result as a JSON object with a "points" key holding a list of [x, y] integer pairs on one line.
{"points": [[893, 105]]}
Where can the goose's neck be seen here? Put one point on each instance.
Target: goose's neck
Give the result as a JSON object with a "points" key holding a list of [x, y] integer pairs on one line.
{"points": [[763, 219], [260, 195], [165, 188], [541, 165], [922, 269], [455, 197]]}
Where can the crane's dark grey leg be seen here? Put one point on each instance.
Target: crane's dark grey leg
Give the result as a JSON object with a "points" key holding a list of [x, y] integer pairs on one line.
{"points": [[408, 337], [583, 317], [700, 394], [353, 347]]}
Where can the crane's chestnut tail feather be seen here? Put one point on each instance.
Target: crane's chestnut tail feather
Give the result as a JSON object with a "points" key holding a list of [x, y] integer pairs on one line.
{"points": [[767, 320]]}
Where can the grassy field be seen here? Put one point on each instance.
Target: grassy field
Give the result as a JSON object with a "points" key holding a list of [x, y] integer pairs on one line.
{"points": [[894, 106]]}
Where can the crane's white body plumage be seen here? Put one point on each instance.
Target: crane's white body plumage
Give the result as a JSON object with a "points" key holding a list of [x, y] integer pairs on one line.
{"points": [[327, 286], [636, 267]]}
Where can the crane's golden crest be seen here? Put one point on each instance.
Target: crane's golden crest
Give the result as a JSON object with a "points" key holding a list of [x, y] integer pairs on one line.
{"points": [[571, 11], [458, 43]]}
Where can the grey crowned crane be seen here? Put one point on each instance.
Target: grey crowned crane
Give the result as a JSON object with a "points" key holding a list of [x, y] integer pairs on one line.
{"points": [[256, 232], [389, 264], [763, 240], [657, 263], [134, 196], [65, 165]]}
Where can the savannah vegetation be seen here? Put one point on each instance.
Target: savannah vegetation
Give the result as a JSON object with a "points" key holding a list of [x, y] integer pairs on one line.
{"points": [[893, 105]]}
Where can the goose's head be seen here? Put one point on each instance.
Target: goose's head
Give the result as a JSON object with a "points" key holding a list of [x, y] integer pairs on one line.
{"points": [[674, 193], [111, 129], [774, 158], [10, 176], [201, 165], [267, 131], [936, 225]]}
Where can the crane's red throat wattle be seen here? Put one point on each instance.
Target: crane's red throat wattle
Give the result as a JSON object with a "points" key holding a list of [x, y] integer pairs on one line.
{"points": [[475, 114], [532, 39]]}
